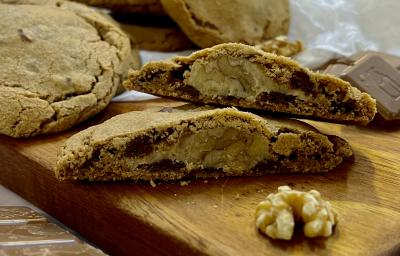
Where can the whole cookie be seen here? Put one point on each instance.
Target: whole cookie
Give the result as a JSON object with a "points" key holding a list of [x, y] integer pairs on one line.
{"points": [[129, 6], [61, 63], [211, 22]]}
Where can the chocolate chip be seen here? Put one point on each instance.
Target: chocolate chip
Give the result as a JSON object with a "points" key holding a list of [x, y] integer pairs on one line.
{"points": [[96, 154], [276, 98], [170, 130], [188, 89], [177, 74], [293, 156], [230, 98], [287, 130], [274, 139], [268, 65], [301, 80], [139, 146], [267, 165], [344, 107], [164, 165]]}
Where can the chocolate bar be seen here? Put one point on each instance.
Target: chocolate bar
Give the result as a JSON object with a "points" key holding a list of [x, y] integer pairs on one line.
{"points": [[393, 60], [338, 66], [19, 215], [55, 249], [33, 234], [26, 232], [375, 75]]}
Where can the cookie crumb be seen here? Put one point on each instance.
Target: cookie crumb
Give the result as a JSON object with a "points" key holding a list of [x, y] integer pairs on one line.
{"points": [[184, 183], [153, 184]]}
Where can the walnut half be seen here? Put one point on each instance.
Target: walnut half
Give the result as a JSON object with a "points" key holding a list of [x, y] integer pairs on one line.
{"points": [[276, 215]]}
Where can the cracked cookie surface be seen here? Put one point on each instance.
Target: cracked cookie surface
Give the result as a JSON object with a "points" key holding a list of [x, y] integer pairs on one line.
{"points": [[244, 76], [61, 63], [145, 145], [210, 22]]}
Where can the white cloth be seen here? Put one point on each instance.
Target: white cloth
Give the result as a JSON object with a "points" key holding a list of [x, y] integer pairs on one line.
{"points": [[332, 28]]}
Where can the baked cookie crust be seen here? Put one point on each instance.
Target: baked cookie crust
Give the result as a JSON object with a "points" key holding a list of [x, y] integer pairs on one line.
{"points": [[209, 22], [244, 76], [61, 63], [146, 145]]}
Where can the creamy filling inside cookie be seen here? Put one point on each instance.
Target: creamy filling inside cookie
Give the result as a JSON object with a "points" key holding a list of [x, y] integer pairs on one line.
{"points": [[222, 148], [225, 149], [238, 77]]}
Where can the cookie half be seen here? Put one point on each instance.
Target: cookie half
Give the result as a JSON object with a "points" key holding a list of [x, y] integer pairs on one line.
{"points": [[243, 76], [61, 63], [148, 145], [210, 22]]}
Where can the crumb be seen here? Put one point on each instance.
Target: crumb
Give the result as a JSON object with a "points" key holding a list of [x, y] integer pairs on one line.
{"points": [[215, 206], [174, 194], [184, 183], [153, 184], [206, 181], [237, 196]]}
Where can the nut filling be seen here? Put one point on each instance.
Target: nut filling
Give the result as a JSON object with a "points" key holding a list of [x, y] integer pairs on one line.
{"points": [[222, 148], [276, 215], [238, 77]]}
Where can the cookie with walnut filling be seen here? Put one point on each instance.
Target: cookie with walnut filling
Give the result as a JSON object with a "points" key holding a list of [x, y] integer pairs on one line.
{"points": [[148, 145], [240, 75]]}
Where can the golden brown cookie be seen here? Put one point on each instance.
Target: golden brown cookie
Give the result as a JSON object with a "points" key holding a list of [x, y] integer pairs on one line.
{"points": [[129, 6], [145, 145], [211, 22], [61, 63], [240, 75]]}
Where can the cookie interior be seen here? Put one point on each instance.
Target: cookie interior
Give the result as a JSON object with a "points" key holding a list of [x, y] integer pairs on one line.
{"points": [[206, 147]]}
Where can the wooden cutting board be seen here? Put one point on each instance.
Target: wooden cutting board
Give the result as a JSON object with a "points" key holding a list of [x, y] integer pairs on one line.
{"points": [[216, 217]]}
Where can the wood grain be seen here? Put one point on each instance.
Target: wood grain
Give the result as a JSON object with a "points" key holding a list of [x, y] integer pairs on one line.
{"points": [[216, 217]]}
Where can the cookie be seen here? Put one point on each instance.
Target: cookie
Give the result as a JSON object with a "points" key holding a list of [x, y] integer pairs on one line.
{"points": [[61, 64], [210, 22], [154, 32], [240, 75], [145, 145], [128, 6]]}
